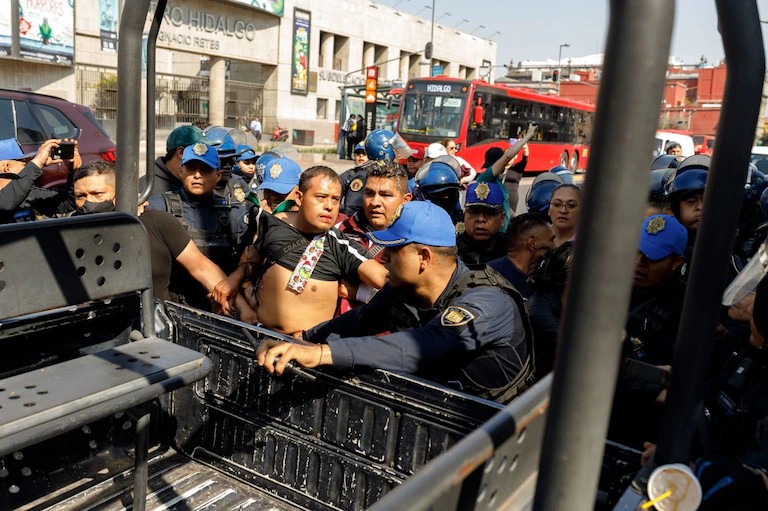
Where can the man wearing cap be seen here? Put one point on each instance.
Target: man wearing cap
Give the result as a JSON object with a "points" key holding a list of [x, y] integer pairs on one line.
{"points": [[167, 168], [651, 327], [281, 181], [246, 166], [464, 328], [478, 239], [216, 227], [413, 163], [353, 182], [496, 161]]}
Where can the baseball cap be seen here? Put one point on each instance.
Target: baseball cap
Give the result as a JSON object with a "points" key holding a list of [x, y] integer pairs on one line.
{"points": [[184, 136], [492, 155], [436, 149], [11, 150], [281, 176], [662, 235], [359, 147], [485, 194], [248, 154], [201, 152], [418, 154], [418, 222]]}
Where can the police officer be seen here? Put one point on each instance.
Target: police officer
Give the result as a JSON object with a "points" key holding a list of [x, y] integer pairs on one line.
{"points": [[353, 182], [446, 322], [437, 181], [167, 168], [752, 220], [228, 142], [651, 327], [540, 193], [214, 224], [480, 241]]}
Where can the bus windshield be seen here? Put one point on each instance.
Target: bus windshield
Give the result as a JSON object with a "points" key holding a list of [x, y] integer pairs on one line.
{"points": [[438, 115]]}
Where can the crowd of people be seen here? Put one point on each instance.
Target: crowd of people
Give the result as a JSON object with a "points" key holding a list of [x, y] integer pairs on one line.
{"points": [[413, 261]]}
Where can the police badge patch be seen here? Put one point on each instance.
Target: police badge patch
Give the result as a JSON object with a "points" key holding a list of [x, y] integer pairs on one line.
{"points": [[275, 170], [656, 225], [356, 184], [239, 194], [482, 191], [460, 228], [456, 316], [200, 149]]}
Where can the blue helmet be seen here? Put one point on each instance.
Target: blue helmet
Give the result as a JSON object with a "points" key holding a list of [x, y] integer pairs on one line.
{"points": [[666, 161], [540, 193], [225, 140], [692, 179], [697, 161], [565, 174], [264, 161], [438, 178], [378, 145], [658, 184]]}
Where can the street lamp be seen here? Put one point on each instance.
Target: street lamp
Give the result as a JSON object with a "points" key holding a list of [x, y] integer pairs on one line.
{"points": [[494, 35], [423, 9], [442, 16], [399, 2], [560, 56], [465, 20], [476, 29]]}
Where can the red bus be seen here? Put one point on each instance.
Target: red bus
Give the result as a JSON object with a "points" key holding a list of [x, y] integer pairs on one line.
{"points": [[479, 115]]}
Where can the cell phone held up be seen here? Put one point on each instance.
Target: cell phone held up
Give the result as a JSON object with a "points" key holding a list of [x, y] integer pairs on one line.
{"points": [[65, 151]]}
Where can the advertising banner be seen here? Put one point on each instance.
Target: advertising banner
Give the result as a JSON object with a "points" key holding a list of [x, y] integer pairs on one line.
{"points": [[275, 7], [300, 61], [108, 11], [5, 29], [47, 30]]}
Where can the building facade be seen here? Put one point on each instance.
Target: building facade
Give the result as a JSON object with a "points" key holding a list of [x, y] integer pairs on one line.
{"points": [[228, 61]]}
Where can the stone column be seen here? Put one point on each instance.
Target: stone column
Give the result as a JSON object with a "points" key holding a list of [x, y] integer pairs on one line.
{"points": [[405, 65], [369, 55], [326, 51], [217, 91]]}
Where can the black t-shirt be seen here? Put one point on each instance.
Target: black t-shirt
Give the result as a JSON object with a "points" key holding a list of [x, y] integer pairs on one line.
{"points": [[341, 256], [167, 240]]}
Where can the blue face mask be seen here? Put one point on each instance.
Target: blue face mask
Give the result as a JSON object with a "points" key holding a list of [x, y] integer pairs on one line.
{"points": [[89, 208]]}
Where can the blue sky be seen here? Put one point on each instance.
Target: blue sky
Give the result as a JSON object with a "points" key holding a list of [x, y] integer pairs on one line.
{"points": [[534, 29]]}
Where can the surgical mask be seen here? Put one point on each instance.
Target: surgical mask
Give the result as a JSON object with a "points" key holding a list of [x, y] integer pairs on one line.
{"points": [[95, 207]]}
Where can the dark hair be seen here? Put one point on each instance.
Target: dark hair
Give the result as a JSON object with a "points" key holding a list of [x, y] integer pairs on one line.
{"points": [[566, 185], [671, 146], [312, 172], [551, 270], [387, 169], [441, 252], [444, 142], [96, 168], [521, 226]]}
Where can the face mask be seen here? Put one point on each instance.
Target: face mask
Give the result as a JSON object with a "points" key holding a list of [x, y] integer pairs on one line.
{"points": [[95, 207]]}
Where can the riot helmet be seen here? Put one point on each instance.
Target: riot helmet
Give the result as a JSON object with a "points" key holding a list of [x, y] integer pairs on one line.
{"points": [[225, 140], [565, 174], [666, 161], [764, 202], [540, 193], [439, 185], [658, 184], [386, 145], [446, 159]]}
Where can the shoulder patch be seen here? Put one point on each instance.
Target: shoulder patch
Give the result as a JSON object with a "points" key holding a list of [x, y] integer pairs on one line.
{"points": [[456, 316]]}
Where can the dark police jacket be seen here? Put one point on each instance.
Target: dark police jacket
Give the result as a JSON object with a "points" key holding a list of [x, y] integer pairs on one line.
{"points": [[353, 189], [476, 335]]}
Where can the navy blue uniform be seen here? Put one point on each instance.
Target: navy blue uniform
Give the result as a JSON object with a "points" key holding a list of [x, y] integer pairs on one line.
{"points": [[353, 189], [216, 226], [476, 337]]}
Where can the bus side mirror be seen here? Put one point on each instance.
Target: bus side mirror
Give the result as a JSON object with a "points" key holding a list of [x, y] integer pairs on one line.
{"points": [[477, 116]]}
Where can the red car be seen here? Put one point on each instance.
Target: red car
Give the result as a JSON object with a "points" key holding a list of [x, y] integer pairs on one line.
{"points": [[703, 144], [33, 118]]}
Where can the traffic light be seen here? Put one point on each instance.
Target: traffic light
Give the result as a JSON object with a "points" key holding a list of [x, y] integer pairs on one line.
{"points": [[555, 75], [428, 51]]}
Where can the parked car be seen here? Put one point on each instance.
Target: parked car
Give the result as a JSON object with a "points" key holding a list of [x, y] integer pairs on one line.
{"points": [[32, 118]]}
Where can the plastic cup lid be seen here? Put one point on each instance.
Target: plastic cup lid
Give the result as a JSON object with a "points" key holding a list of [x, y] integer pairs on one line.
{"points": [[674, 488]]}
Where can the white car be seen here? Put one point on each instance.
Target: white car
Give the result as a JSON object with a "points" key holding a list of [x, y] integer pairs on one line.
{"points": [[760, 158], [664, 138]]}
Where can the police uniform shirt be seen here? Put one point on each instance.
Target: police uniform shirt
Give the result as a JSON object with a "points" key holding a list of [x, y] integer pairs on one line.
{"points": [[443, 340], [352, 190], [340, 258], [513, 274]]}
